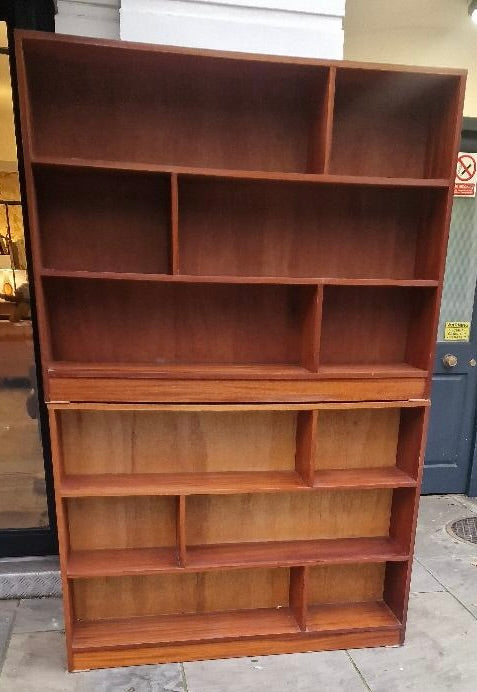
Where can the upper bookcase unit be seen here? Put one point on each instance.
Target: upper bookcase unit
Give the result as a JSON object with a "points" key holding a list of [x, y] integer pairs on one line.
{"points": [[174, 107]]}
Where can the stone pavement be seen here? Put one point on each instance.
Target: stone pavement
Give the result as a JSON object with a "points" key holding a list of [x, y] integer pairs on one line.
{"points": [[440, 653]]}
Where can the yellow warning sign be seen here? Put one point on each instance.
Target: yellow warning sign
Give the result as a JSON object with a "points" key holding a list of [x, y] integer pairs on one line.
{"points": [[457, 331]]}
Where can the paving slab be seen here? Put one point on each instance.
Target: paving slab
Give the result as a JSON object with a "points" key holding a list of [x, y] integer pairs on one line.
{"points": [[422, 581], [459, 577], [163, 678], [39, 615], [6, 625], [432, 538], [8, 605], [37, 662], [470, 502], [308, 672], [439, 653]]}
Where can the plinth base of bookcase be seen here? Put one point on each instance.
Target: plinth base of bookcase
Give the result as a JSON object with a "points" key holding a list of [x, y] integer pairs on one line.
{"points": [[196, 651]]}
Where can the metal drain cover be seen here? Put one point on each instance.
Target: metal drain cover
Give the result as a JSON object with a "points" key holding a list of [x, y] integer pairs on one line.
{"points": [[464, 529]]}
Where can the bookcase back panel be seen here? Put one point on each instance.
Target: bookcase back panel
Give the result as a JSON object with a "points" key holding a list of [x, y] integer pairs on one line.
{"points": [[260, 228], [177, 442], [287, 516], [202, 592], [104, 220], [360, 438], [121, 522], [393, 124], [186, 111], [369, 325], [346, 583], [132, 321]]}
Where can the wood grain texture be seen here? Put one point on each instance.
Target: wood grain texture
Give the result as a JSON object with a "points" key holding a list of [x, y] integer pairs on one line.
{"points": [[181, 537], [327, 130], [248, 230], [359, 438], [287, 516], [208, 407], [169, 323], [346, 583], [86, 219], [121, 522], [406, 122], [233, 279], [299, 595], [47, 41], [380, 326], [227, 483], [199, 112], [175, 248], [65, 162], [184, 628], [180, 593], [63, 530], [305, 445], [272, 228], [263, 646], [232, 371], [178, 442], [148, 561], [109, 389]]}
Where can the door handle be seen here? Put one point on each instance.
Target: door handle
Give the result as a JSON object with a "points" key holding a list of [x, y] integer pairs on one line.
{"points": [[449, 360]]}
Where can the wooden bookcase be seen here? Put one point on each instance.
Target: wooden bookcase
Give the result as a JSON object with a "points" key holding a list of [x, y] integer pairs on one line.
{"points": [[238, 263]]}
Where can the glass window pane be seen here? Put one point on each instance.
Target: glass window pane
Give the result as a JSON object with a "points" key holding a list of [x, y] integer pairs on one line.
{"points": [[22, 478], [461, 265]]}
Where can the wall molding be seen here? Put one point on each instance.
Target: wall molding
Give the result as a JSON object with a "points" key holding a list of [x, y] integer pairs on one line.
{"points": [[305, 28]]}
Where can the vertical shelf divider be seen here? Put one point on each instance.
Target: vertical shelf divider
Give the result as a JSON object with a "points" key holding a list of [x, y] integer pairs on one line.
{"points": [[404, 510], [299, 595], [175, 265], [396, 587], [62, 525], [411, 430], [328, 119], [307, 422], [312, 330], [320, 135], [181, 530]]}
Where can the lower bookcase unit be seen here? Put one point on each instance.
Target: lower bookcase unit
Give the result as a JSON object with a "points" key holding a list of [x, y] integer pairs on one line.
{"points": [[200, 531], [232, 613]]}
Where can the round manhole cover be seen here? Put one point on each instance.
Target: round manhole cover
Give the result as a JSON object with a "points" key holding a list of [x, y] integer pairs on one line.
{"points": [[464, 529]]}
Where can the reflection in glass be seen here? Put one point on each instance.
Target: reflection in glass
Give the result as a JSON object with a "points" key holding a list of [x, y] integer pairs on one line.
{"points": [[461, 265], [22, 480]]}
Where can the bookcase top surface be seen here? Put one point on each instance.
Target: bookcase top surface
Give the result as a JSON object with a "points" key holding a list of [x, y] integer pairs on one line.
{"points": [[63, 41]]}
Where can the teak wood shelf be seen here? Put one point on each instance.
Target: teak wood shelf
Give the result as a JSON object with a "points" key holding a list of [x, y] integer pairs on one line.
{"points": [[238, 263]]}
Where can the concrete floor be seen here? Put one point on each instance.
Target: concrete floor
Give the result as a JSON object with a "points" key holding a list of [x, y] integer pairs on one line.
{"points": [[440, 653]]}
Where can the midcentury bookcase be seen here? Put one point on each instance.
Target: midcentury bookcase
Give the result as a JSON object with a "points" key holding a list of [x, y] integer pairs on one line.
{"points": [[238, 263]]}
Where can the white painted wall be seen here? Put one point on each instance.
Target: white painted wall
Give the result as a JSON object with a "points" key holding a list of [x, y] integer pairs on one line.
{"points": [[306, 28], [99, 18], [438, 33], [309, 28]]}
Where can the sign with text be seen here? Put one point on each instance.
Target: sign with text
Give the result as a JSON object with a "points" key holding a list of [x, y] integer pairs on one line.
{"points": [[457, 331], [465, 175]]}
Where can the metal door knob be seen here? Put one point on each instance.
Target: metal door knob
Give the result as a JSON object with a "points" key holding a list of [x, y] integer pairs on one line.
{"points": [[449, 360]]}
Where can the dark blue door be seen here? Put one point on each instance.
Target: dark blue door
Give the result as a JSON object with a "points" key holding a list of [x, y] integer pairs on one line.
{"points": [[449, 464]]}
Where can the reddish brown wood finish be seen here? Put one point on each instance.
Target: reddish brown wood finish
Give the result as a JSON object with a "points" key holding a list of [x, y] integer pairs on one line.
{"points": [[238, 264]]}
